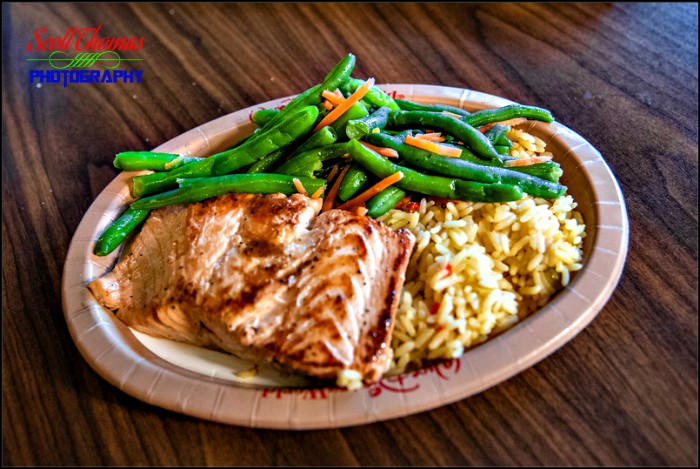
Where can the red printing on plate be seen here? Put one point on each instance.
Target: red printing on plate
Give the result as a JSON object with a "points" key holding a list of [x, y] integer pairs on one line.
{"points": [[396, 384]]}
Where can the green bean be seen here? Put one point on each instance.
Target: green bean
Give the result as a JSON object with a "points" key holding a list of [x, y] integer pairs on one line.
{"points": [[375, 96], [353, 181], [407, 105], [469, 156], [283, 134], [449, 188], [358, 128], [266, 142], [466, 152], [157, 182], [466, 133], [198, 189], [463, 169], [356, 111], [496, 133], [307, 163], [325, 136], [549, 170], [384, 201], [154, 161], [264, 164], [263, 116], [339, 74], [119, 230], [502, 149], [504, 141], [500, 114]]}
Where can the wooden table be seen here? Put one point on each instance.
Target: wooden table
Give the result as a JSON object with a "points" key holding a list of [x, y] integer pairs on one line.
{"points": [[624, 76]]}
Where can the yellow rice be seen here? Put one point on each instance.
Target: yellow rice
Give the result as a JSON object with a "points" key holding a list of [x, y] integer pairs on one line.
{"points": [[478, 268]]}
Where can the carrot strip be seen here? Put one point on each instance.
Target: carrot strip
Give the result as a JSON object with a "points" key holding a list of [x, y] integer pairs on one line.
{"points": [[346, 104], [372, 191], [319, 192], [384, 151], [328, 105], [339, 94], [433, 147], [429, 135], [331, 175], [332, 97], [526, 161], [433, 137], [300, 187], [330, 199], [509, 123], [362, 211]]}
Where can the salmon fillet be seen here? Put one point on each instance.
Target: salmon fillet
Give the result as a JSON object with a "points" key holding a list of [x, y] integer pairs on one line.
{"points": [[266, 278]]}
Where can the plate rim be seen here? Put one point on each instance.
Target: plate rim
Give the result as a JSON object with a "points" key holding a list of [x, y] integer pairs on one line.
{"points": [[102, 340]]}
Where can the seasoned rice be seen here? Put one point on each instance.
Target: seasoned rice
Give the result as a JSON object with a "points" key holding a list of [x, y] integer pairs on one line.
{"points": [[479, 268]]}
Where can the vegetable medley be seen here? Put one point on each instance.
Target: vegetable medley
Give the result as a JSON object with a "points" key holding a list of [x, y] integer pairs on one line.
{"points": [[349, 142]]}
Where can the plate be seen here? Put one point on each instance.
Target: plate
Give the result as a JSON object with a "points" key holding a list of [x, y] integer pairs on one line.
{"points": [[206, 384]]}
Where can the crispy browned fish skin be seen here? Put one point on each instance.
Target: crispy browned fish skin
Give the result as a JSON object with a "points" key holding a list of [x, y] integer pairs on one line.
{"points": [[267, 279]]}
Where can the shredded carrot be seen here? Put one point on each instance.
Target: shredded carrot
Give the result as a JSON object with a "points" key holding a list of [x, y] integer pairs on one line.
{"points": [[346, 104], [361, 211], [330, 198], [329, 94], [526, 161], [452, 114], [384, 151], [433, 147], [433, 137], [300, 187], [429, 135], [319, 192], [372, 191], [334, 171], [332, 97], [328, 105], [509, 123]]}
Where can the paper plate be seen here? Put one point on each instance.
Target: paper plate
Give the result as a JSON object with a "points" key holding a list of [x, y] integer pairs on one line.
{"points": [[206, 384]]}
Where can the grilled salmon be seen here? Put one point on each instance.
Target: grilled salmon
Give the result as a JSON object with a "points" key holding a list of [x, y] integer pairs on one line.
{"points": [[266, 278]]}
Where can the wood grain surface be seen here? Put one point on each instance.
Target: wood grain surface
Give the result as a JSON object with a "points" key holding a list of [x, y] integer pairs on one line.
{"points": [[623, 75]]}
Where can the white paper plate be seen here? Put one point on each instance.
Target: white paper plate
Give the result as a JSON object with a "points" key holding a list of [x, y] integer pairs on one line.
{"points": [[204, 384]]}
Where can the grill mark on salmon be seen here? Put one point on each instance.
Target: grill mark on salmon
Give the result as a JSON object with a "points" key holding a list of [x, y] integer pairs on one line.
{"points": [[265, 277]]}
